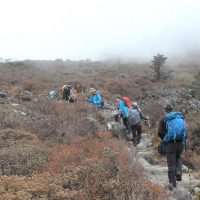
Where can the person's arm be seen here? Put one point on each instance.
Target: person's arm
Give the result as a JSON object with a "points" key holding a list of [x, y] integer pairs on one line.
{"points": [[90, 99], [98, 99], [142, 116], [162, 128], [120, 107]]}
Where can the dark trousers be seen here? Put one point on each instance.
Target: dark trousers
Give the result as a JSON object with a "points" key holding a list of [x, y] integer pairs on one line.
{"points": [[173, 152], [124, 119], [136, 132]]}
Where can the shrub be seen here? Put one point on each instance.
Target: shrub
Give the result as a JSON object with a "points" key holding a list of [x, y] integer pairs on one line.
{"points": [[20, 153]]}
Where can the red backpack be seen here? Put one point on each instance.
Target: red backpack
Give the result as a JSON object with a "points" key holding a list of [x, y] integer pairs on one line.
{"points": [[127, 101]]}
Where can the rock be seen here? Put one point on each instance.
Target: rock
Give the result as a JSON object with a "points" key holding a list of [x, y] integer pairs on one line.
{"points": [[2, 113], [14, 104], [195, 197], [109, 114], [146, 141], [197, 191], [192, 92], [143, 162], [25, 95], [117, 129], [184, 169], [180, 193], [157, 170], [147, 155], [3, 94], [108, 106]]}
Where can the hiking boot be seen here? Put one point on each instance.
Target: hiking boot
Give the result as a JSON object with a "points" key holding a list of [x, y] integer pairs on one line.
{"points": [[178, 177], [171, 187]]}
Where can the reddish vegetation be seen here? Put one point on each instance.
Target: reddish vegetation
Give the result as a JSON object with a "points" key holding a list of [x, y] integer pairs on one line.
{"points": [[55, 151]]}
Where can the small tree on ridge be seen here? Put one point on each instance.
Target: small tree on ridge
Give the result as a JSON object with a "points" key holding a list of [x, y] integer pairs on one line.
{"points": [[157, 63]]}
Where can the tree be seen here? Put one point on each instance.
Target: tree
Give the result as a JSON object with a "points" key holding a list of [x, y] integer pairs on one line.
{"points": [[157, 63]]}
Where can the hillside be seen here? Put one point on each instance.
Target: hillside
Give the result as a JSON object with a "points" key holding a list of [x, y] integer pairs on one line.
{"points": [[51, 149]]}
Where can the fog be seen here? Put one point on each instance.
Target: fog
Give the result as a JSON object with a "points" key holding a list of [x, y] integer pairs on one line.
{"points": [[99, 29]]}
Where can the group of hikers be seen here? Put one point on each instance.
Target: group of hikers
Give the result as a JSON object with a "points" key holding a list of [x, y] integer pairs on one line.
{"points": [[171, 129]]}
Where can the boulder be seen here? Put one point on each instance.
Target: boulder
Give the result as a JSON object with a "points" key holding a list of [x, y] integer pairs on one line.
{"points": [[3, 94], [25, 95], [117, 129]]}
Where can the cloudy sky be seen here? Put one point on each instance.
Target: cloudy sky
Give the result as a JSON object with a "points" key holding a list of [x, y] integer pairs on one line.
{"points": [[98, 29]]}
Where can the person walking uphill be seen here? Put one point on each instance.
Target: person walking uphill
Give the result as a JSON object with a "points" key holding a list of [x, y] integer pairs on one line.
{"points": [[122, 112], [95, 98], [172, 131], [134, 119]]}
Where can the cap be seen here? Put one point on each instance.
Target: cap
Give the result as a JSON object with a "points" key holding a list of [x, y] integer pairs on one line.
{"points": [[134, 104], [64, 86], [168, 106]]}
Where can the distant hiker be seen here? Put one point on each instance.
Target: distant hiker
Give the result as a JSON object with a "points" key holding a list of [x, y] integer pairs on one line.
{"points": [[95, 98], [69, 93], [172, 131], [134, 119], [122, 112], [52, 94]]}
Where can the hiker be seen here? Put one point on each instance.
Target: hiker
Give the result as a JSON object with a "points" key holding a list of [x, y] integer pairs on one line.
{"points": [[122, 113], [172, 131], [69, 93], [52, 94], [95, 98], [134, 119]]}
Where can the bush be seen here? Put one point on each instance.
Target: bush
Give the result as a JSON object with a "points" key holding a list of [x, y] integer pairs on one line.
{"points": [[20, 153]]}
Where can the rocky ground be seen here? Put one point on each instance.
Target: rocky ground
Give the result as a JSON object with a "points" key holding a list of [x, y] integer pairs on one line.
{"points": [[156, 168], [153, 164], [156, 171]]}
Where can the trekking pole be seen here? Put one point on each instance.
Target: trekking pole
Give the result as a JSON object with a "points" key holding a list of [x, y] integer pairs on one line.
{"points": [[189, 176], [187, 158]]}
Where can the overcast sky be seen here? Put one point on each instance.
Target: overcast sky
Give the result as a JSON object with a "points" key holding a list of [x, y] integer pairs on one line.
{"points": [[98, 29]]}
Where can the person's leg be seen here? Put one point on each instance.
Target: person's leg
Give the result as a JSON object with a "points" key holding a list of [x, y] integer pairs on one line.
{"points": [[179, 151], [116, 117], [139, 131], [171, 163], [125, 122], [64, 95], [133, 130]]}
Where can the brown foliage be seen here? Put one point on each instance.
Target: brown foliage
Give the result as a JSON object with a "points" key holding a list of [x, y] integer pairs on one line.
{"points": [[20, 153]]}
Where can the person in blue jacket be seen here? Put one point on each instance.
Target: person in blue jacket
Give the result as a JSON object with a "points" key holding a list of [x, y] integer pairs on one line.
{"points": [[122, 112], [95, 98]]}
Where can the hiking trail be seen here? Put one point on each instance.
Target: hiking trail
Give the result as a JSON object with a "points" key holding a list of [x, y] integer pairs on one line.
{"points": [[155, 166]]}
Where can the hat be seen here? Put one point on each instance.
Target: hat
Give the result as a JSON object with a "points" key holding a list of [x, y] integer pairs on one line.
{"points": [[134, 104], [168, 106], [91, 90], [64, 86]]}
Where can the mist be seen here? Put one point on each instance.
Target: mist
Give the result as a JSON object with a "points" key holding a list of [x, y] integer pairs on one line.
{"points": [[99, 29]]}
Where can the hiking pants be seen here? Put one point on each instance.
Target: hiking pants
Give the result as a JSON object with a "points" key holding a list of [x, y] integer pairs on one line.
{"points": [[173, 153], [124, 119], [136, 132]]}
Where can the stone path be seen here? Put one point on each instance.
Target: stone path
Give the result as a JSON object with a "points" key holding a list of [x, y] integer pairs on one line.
{"points": [[186, 189], [157, 171]]}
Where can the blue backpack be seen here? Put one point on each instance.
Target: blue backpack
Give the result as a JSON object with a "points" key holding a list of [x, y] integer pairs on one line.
{"points": [[175, 126]]}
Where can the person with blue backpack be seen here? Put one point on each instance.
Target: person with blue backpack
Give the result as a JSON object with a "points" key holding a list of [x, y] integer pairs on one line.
{"points": [[95, 98], [123, 111], [172, 131]]}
